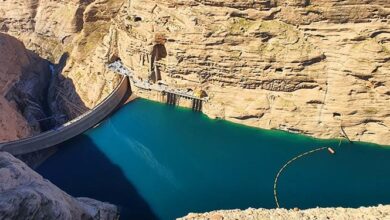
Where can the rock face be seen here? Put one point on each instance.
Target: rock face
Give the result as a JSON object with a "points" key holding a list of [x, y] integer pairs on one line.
{"points": [[25, 81], [302, 66], [29, 93], [74, 34], [13, 59], [298, 65], [24, 194], [380, 212]]}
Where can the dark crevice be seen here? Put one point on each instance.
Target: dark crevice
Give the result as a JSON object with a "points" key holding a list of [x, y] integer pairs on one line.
{"points": [[246, 117], [314, 60], [376, 33], [362, 77], [315, 102]]}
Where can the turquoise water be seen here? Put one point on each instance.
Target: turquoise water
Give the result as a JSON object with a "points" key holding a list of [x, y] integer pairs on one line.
{"points": [[159, 162]]}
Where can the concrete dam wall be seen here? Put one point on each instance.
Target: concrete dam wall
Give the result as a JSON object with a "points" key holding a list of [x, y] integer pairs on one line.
{"points": [[72, 128]]}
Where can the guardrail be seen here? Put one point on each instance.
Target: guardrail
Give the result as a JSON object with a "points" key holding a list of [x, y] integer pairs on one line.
{"points": [[121, 69], [70, 129]]}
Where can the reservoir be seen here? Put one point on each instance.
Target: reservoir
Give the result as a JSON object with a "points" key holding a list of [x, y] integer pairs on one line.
{"points": [[155, 161]]}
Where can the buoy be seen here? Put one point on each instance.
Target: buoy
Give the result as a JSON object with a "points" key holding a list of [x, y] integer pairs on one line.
{"points": [[331, 150]]}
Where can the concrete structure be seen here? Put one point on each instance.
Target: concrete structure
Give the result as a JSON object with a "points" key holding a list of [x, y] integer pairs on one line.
{"points": [[71, 129], [163, 92]]}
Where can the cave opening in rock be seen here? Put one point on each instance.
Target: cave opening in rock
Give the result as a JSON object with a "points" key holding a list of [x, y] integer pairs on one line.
{"points": [[137, 19]]}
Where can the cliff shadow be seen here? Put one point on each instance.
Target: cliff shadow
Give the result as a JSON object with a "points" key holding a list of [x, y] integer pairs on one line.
{"points": [[159, 52], [28, 92], [82, 170], [63, 96], [39, 93]]}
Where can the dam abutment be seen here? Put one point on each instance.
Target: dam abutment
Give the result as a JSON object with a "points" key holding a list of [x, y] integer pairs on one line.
{"points": [[72, 128]]}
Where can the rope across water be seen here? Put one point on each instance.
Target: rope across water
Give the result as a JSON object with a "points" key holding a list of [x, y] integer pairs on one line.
{"points": [[288, 163]]}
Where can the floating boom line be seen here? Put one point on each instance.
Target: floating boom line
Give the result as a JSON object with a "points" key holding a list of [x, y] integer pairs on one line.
{"points": [[286, 165]]}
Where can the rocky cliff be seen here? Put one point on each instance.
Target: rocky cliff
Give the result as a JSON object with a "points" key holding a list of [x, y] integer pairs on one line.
{"points": [[13, 58], [73, 34], [74, 37], [297, 65], [26, 80], [24, 194], [379, 212]]}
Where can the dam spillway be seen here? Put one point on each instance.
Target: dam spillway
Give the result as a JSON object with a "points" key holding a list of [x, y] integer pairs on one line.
{"points": [[158, 162]]}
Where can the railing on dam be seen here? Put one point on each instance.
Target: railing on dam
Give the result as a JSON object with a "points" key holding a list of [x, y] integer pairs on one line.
{"points": [[70, 129], [172, 93]]}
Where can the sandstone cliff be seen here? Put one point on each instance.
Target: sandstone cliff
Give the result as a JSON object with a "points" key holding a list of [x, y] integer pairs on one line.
{"points": [[302, 66], [24, 194], [379, 212], [75, 34], [298, 65]]}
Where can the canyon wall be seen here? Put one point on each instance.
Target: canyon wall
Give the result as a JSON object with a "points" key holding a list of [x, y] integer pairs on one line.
{"points": [[13, 59], [77, 36], [24, 194], [26, 81], [306, 66]]}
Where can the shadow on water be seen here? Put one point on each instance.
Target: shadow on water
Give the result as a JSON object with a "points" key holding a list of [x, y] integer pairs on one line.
{"points": [[157, 161], [95, 175]]}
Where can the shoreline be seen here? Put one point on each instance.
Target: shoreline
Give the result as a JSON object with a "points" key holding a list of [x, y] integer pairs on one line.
{"points": [[117, 128], [137, 93]]}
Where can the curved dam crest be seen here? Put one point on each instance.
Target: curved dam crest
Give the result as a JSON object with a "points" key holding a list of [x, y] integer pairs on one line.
{"points": [[159, 162], [71, 128]]}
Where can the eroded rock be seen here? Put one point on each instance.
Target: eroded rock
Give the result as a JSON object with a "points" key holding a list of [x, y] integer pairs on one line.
{"points": [[286, 65], [378, 212], [24, 194]]}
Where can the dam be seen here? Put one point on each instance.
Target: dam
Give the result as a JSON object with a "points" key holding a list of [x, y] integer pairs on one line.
{"points": [[159, 162], [165, 93]]}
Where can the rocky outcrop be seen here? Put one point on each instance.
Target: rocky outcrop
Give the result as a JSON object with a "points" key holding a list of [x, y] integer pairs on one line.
{"points": [[74, 35], [26, 78], [24, 194], [303, 66], [13, 59], [379, 212], [29, 93], [77, 31]]}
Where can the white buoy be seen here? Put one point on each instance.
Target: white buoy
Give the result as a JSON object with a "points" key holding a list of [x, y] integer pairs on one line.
{"points": [[331, 150]]}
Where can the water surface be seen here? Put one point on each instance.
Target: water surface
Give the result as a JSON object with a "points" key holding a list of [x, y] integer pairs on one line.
{"points": [[159, 162]]}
